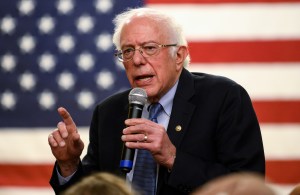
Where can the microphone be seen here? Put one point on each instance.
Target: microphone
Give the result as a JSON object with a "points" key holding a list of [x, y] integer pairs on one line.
{"points": [[137, 99]]}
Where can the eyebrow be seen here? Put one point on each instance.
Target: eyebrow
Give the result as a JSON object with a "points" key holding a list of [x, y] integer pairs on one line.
{"points": [[143, 43]]}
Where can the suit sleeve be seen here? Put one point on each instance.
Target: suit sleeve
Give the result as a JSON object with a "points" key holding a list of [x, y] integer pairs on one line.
{"points": [[54, 182]]}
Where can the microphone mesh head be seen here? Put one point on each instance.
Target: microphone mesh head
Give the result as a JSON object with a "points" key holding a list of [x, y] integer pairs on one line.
{"points": [[137, 96]]}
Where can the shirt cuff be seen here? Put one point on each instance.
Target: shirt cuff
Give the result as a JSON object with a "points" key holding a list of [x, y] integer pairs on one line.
{"points": [[63, 180]]}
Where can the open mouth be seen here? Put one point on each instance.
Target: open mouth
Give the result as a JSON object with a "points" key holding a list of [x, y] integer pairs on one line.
{"points": [[144, 78]]}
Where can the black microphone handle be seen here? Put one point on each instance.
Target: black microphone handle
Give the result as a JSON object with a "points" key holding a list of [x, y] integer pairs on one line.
{"points": [[126, 163]]}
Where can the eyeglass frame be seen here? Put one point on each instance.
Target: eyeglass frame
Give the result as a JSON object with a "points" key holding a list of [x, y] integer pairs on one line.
{"points": [[140, 49]]}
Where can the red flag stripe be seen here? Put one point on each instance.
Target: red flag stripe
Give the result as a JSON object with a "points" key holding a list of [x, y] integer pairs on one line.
{"points": [[216, 1], [283, 172], [248, 51], [36, 175], [280, 111]]}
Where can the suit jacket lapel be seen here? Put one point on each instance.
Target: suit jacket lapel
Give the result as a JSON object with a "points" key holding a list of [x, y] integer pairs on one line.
{"points": [[182, 109], [181, 114]]}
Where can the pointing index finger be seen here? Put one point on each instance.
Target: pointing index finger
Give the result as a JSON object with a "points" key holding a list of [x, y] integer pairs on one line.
{"points": [[70, 124]]}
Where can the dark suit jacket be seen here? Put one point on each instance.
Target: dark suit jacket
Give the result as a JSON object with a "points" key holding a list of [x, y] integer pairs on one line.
{"points": [[220, 134]]}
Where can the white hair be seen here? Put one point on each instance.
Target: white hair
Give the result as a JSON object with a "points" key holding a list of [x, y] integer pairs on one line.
{"points": [[173, 27]]}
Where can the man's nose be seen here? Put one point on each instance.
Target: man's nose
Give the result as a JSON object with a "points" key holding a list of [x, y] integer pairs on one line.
{"points": [[138, 57]]}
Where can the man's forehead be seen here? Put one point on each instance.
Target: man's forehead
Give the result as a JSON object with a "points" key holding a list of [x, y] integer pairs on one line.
{"points": [[142, 29], [142, 18], [141, 24]]}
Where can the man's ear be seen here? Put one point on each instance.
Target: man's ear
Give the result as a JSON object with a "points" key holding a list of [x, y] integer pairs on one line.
{"points": [[181, 54]]}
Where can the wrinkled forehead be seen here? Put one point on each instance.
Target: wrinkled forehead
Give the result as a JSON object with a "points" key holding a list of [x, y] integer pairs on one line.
{"points": [[145, 24]]}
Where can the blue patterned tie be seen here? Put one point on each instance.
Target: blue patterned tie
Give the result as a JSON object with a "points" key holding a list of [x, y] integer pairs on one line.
{"points": [[144, 177]]}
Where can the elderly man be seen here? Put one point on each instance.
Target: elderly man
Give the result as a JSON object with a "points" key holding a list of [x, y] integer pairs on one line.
{"points": [[205, 127]]}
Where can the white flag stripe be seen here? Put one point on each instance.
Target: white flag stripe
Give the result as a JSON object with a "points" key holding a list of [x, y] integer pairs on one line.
{"points": [[23, 140], [236, 21], [262, 81], [280, 142], [25, 191], [282, 189]]}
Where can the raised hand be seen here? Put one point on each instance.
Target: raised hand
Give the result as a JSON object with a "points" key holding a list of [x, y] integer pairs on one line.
{"points": [[65, 143]]}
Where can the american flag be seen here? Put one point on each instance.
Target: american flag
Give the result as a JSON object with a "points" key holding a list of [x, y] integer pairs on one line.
{"points": [[59, 53]]}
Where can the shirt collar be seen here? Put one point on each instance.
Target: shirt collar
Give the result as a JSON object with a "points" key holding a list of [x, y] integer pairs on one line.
{"points": [[167, 100]]}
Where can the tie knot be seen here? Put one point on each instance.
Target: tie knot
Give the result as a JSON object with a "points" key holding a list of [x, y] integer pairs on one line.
{"points": [[155, 109]]}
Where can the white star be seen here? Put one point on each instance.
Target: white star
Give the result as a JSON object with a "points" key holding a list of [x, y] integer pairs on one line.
{"points": [[104, 42], [66, 43], [27, 43], [8, 100], [85, 61], [104, 6], [85, 99], [105, 79], [47, 62], [8, 62], [8, 25], [47, 100], [85, 23], [46, 24], [65, 6], [66, 80], [27, 81], [26, 7]]}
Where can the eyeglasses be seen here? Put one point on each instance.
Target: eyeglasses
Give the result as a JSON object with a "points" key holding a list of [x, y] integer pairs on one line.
{"points": [[147, 50]]}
